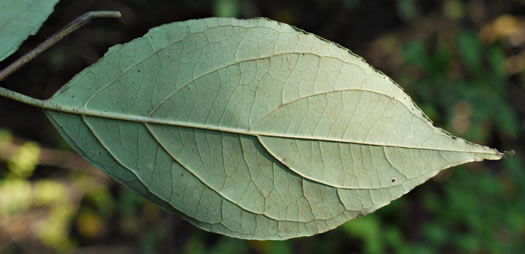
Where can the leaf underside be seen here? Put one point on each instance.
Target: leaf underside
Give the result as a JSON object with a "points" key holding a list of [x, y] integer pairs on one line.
{"points": [[252, 128], [19, 19]]}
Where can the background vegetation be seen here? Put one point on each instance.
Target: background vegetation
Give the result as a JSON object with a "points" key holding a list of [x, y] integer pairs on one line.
{"points": [[462, 61]]}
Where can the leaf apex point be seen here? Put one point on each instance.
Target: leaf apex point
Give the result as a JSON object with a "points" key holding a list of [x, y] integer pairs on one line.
{"points": [[508, 154]]}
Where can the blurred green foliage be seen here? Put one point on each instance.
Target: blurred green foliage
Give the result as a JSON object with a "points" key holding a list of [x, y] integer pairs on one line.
{"points": [[227, 8], [481, 86], [432, 48], [25, 160]]}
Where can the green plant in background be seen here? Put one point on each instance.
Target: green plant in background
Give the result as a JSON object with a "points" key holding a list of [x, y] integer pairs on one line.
{"points": [[484, 86], [18, 195]]}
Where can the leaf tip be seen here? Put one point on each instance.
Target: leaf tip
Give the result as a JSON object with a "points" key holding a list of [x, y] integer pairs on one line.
{"points": [[508, 154]]}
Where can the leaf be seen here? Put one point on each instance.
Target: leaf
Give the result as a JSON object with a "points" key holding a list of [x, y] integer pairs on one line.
{"points": [[18, 20], [252, 128]]}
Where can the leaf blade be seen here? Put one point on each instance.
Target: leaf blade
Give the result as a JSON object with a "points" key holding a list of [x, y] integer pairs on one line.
{"points": [[248, 128], [21, 19]]}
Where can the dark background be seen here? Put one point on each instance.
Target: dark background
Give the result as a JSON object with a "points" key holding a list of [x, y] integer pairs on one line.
{"points": [[461, 61]]}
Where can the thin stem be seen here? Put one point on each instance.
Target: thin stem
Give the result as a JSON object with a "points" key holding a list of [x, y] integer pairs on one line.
{"points": [[71, 27], [21, 98]]}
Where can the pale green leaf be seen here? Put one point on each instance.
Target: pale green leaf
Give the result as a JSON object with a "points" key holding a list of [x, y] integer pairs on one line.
{"points": [[18, 20], [252, 128]]}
